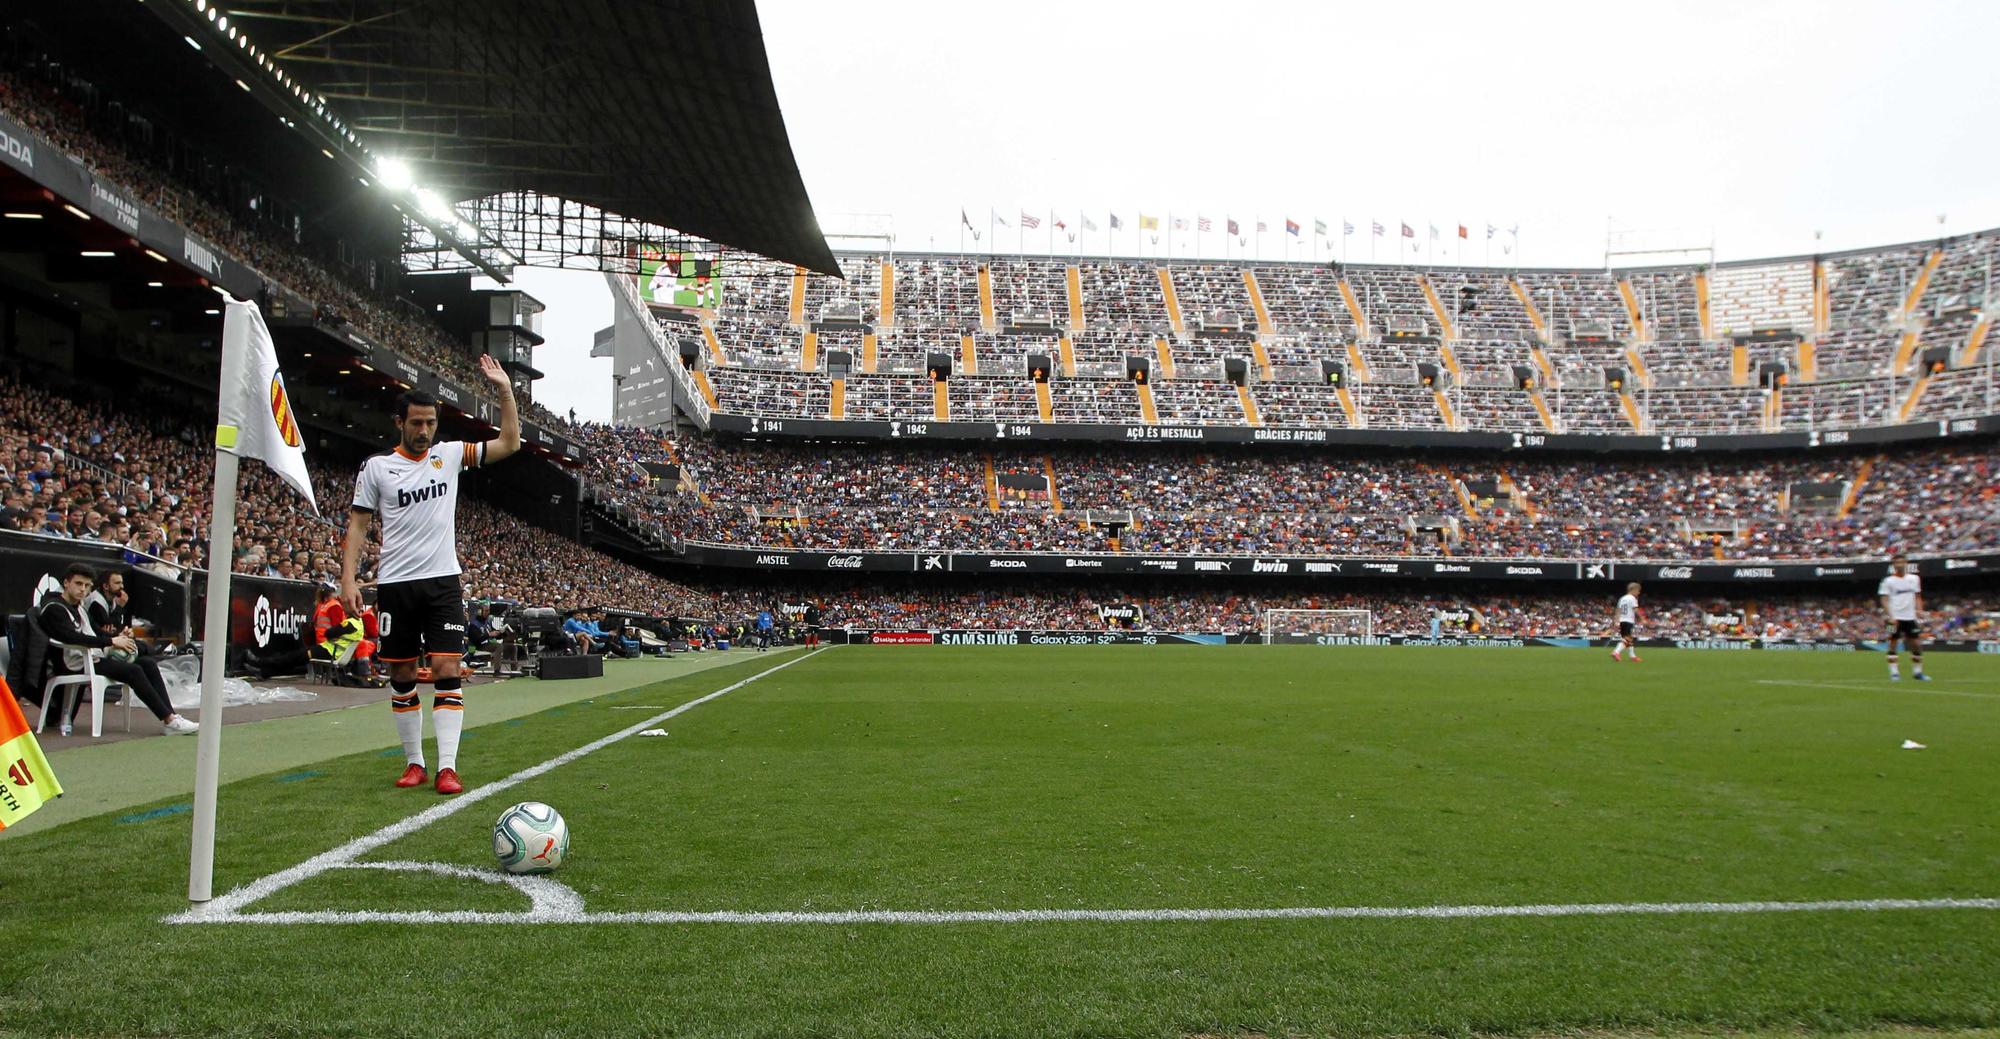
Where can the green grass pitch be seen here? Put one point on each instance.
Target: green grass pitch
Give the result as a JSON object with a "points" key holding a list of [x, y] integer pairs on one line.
{"points": [[1101, 778]]}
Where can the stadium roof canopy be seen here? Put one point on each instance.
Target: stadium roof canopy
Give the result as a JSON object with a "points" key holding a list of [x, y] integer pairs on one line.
{"points": [[662, 111]]}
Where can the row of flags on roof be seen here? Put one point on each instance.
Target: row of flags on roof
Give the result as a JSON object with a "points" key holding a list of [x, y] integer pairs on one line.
{"points": [[1202, 224]]}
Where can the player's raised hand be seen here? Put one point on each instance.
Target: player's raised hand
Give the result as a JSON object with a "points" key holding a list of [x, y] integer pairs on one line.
{"points": [[494, 373]]}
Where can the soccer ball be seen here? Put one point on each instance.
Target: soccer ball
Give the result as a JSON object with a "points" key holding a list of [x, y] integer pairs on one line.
{"points": [[530, 837]]}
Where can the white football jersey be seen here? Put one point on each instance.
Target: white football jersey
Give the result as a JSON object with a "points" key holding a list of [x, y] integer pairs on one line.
{"points": [[417, 500], [1628, 609], [1902, 593]]}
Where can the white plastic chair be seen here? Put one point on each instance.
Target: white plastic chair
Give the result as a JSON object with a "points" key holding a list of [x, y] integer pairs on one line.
{"points": [[94, 684]]}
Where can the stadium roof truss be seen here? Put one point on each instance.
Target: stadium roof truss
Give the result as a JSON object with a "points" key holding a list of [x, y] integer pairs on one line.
{"points": [[544, 133]]}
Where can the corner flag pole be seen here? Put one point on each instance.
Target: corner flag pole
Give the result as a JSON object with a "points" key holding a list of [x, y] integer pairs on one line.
{"points": [[253, 416], [215, 627]]}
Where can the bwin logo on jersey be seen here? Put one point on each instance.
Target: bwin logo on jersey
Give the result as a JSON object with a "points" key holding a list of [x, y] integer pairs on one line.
{"points": [[405, 499]]}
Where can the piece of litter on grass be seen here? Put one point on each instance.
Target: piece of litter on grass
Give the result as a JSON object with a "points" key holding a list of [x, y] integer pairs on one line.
{"points": [[654, 732], [1907, 744]]}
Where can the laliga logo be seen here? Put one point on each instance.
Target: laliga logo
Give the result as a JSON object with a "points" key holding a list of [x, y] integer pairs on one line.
{"points": [[266, 621], [281, 413]]}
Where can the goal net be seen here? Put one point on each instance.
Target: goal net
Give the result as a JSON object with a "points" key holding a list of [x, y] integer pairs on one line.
{"points": [[1316, 626]]}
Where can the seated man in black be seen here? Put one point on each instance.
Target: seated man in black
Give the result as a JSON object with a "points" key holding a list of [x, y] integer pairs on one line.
{"points": [[62, 620]]}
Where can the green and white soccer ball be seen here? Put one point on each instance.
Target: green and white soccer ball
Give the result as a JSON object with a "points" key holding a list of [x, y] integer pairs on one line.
{"points": [[530, 837]]}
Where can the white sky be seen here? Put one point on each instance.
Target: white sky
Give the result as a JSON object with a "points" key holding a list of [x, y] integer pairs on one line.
{"points": [[1751, 124]]}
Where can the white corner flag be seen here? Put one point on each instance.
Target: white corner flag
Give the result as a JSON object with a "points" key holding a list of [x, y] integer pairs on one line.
{"points": [[253, 419], [256, 409]]}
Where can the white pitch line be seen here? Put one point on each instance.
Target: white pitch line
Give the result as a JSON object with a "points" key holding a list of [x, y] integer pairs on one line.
{"points": [[231, 903], [1884, 686], [1029, 916]]}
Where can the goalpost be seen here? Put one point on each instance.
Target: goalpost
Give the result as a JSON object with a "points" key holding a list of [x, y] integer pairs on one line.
{"points": [[1309, 626]]}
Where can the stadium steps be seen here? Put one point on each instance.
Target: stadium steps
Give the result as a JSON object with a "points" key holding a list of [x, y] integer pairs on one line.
{"points": [[1068, 351], [1358, 367], [1631, 408], [1250, 414], [1632, 311], [1262, 357], [887, 312], [987, 321], [1853, 495], [1073, 275], [1264, 325], [1354, 309], [1970, 355], [1437, 307], [798, 310], [1807, 359], [1923, 282], [809, 352], [1520, 498], [1527, 304], [992, 484], [707, 388], [836, 406], [1166, 357], [1739, 365], [1822, 300], [1347, 405], [1450, 359], [1701, 304], [1774, 407], [1173, 301], [1465, 503], [1444, 410], [1044, 405], [1146, 409], [1542, 364], [1906, 350], [1638, 363], [715, 354], [941, 401], [1542, 409], [870, 349], [1916, 394], [1049, 470], [968, 359]]}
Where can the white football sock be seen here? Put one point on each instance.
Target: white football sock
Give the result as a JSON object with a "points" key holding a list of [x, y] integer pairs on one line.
{"points": [[409, 709], [448, 720]]}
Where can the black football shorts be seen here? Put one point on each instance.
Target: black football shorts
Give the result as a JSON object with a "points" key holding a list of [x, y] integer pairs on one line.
{"points": [[420, 617]]}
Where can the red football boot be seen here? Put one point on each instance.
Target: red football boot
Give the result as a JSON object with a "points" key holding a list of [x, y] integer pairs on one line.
{"points": [[447, 781], [412, 776]]}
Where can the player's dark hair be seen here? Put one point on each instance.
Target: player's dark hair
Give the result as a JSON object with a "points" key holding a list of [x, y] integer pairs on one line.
{"points": [[104, 577], [79, 570], [413, 398]]}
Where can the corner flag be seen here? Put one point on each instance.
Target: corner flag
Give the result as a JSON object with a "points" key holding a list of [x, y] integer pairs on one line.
{"points": [[253, 419], [26, 781]]}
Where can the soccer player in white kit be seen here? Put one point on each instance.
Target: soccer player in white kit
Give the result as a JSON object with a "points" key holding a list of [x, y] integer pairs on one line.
{"points": [[421, 607], [1902, 595], [1628, 622]]}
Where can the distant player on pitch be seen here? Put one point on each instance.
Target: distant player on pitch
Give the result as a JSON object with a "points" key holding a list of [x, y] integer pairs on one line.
{"points": [[414, 489], [1628, 623], [1902, 595]]}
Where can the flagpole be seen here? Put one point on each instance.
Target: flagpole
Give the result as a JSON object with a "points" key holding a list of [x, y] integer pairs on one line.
{"points": [[215, 627]]}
